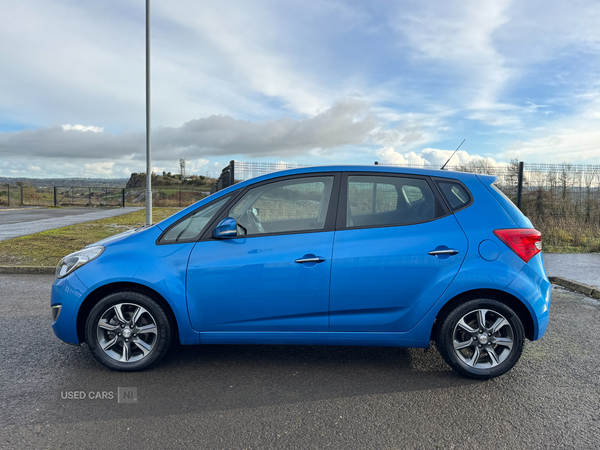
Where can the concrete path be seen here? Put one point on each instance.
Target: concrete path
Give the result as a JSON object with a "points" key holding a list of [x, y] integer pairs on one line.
{"points": [[24, 221], [581, 267]]}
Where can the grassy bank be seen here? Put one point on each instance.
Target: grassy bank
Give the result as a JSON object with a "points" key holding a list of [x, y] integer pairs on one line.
{"points": [[48, 247]]}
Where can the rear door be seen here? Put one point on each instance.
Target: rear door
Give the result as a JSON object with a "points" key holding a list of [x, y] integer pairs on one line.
{"points": [[396, 251]]}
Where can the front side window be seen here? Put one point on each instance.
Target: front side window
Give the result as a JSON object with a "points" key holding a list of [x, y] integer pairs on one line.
{"points": [[190, 227], [389, 200], [284, 206]]}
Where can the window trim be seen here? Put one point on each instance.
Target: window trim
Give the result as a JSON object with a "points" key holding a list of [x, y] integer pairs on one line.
{"points": [[330, 217], [343, 200]]}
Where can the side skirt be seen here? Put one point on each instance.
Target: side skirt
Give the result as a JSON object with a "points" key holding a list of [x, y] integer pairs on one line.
{"points": [[312, 338]]}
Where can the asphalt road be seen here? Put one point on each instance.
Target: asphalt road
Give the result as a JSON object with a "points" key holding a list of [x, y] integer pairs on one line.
{"points": [[18, 215], [15, 222], [295, 397]]}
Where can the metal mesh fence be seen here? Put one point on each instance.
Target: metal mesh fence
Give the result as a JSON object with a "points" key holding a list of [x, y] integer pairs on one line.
{"points": [[13, 195], [561, 200], [65, 196], [247, 170], [164, 197]]}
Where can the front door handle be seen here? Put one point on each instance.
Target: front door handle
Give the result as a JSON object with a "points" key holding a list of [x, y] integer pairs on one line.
{"points": [[445, 251], [316, 259]]}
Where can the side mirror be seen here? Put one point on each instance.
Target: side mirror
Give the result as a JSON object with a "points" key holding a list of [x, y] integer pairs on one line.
{"points": [[227, 228]]}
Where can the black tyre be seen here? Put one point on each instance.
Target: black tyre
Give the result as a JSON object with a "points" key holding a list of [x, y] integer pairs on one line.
{"points": [[481, 338], [128, 331]]}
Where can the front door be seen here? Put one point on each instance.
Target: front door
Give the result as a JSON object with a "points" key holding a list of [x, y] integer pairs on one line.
{"points": [[274, 275]]}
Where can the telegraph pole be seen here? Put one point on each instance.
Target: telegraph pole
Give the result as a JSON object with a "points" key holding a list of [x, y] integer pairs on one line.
{"points": [[148, 159]]}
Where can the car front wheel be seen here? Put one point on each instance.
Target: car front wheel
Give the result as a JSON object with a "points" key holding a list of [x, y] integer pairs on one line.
{"points": [[481, 338], [128, 331]]}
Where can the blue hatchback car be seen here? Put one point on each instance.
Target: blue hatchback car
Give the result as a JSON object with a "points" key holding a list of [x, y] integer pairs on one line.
{"points": [[338, 255]]}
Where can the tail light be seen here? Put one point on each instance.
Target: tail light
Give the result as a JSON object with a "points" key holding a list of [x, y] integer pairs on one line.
{"points": [[525, 242]]}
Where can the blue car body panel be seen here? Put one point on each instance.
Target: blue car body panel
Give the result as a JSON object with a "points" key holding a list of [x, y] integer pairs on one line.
{"points": [[375, 286], [383, 279], [138, 261], [254, 284], [68, 292]]}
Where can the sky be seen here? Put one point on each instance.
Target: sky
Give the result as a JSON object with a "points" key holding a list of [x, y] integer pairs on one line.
{"points": [[310, 82]]}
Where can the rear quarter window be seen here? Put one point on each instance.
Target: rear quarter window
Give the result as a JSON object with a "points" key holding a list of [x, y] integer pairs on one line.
{"points": [[456, 195]]}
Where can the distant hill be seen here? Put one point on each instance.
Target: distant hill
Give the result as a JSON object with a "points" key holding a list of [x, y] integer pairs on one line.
{"points": [[76, 182], [138, 180]]}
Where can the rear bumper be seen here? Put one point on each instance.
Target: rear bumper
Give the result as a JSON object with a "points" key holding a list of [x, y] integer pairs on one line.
{"points": [[532, 285]]}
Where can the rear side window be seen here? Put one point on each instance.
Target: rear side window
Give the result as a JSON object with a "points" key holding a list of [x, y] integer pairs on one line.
{"points": [[369, 195], [389, 200], [455, 194]]}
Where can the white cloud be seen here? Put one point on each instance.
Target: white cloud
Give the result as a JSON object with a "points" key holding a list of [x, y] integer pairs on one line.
{"points": [[345, 123], [83, 128], [573, 139], [333, 81], [98, 169], [432, 156], [458, 34]]}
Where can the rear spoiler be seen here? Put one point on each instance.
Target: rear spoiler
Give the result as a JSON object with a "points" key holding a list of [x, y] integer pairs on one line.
{"points": [[487, 180]]}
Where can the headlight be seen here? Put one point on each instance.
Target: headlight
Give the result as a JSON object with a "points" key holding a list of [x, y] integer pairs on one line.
{"points": [[75, 260]]}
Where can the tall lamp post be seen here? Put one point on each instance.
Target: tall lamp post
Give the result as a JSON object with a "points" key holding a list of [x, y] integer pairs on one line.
{"points": [[148, 159]]}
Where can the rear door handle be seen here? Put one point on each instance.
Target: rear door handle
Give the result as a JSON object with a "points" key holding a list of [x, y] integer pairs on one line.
{"points": [[315, 259], [447, 251]]}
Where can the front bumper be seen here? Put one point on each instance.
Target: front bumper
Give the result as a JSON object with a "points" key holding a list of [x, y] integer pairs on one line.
{"points": [[67, 293]]}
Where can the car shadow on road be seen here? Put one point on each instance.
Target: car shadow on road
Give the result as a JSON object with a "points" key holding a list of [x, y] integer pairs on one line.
{"points": [[198, 379]]}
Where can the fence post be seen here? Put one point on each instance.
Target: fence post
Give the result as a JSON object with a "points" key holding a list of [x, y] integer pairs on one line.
{"points": [[520, 185], [55, 205], [21, 195], [123, 197], [232, 173]]}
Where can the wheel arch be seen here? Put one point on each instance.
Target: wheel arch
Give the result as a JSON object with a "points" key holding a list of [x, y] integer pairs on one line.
{"points": [[111, 288], [511, 301]]}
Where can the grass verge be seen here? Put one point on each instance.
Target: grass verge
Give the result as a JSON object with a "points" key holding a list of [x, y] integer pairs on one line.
{"points": [[48, 247]]}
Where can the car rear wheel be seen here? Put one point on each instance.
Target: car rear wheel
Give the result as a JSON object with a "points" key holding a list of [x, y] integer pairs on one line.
{"points": [[128, 331], [481, 338]]}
